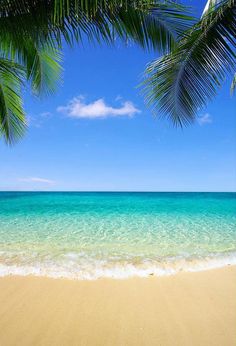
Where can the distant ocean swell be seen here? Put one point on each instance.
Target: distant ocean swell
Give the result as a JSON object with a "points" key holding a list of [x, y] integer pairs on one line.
{"points": [[88, 236]]}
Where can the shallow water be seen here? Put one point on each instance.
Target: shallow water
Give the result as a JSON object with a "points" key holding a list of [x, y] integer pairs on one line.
{"points": [[93, 235]]}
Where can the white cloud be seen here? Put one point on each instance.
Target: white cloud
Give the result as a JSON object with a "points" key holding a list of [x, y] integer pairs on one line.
{"points": [[39, 119], [205, 119], [37, 180], [77, 108]]}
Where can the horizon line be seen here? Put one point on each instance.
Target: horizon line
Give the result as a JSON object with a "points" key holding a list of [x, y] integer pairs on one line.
{"points": [[117, 191]]}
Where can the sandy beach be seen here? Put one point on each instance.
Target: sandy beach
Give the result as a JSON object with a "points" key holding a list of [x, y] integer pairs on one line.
{"points": [[184, 309]]}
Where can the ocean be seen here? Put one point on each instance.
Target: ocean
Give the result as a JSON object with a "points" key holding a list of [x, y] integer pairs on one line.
{"points": [[88, 235]]}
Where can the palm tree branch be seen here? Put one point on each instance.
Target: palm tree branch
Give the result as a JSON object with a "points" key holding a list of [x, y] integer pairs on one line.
{"points": [[183, 81], [42, 63], [99, 20]]}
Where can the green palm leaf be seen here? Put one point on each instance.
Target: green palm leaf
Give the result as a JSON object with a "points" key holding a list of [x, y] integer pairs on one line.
{"points": [[12, 119], [151, 23], [41, 63], [182, 82], [43, 69], [210, 6]]}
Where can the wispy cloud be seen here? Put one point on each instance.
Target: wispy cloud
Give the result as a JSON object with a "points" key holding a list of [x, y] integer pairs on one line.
{"points": [[204, 119], [39, 119], [78, 108], [45, 114], [36, 180]]}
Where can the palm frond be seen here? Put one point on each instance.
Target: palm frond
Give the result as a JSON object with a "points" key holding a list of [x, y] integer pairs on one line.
{"points": [[151, 23], [12, 119], [210, 6], [182, 82], [160, 25], [41, 63], [43, 69]]}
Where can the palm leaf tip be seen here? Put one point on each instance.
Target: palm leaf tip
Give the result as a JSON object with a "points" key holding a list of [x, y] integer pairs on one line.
{"points": [[12, 117], [151, 23], [44, 70], [233, 85]]}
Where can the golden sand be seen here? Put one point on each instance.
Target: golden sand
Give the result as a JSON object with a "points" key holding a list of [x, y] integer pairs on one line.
{"points": [[185, 309]]}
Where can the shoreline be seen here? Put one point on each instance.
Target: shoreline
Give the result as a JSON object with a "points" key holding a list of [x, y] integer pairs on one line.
{"points": [[188, 308], [123, 272]]}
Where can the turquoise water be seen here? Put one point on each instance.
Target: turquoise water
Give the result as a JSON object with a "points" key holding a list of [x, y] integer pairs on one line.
{"points": [[93, 235]]}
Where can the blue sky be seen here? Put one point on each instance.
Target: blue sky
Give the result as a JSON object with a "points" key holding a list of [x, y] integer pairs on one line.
{"points": [[95, 133]]}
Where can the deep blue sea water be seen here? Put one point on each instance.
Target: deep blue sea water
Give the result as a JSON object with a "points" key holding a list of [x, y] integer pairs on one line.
{"points": [[94, 235]]}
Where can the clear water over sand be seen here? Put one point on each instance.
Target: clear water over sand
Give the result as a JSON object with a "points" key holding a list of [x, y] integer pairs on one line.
{"points": [[93, 235]]}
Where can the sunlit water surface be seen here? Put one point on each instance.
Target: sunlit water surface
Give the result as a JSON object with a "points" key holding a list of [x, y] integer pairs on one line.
{"points": [[94, 235]]}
